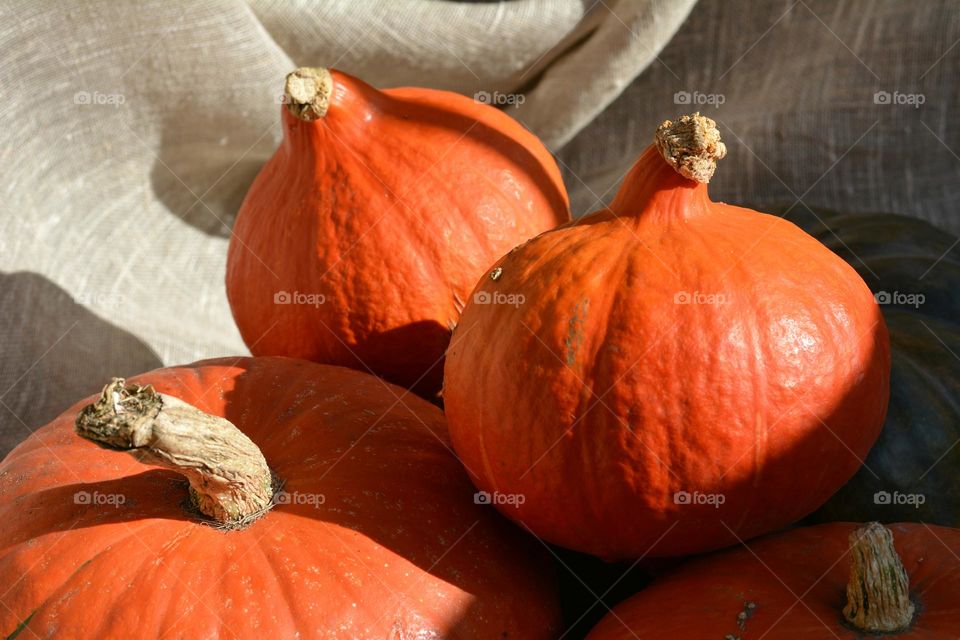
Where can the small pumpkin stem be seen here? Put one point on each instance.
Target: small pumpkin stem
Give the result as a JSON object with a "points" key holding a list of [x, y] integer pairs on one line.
{"points": [[878, 594], [229, 478], [307, 92], [691, 145]]}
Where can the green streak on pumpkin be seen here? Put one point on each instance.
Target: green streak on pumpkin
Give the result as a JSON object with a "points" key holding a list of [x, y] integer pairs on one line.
{"points": [[21, 627], [575, 330]]}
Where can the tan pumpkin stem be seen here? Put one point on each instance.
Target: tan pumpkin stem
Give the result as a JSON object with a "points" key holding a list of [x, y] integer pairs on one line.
{"points": [[878, 594], [229, 478], [691, 145], [307, 92]]}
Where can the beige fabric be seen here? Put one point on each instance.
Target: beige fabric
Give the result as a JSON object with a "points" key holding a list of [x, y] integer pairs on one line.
{"points": [[129, 132]]}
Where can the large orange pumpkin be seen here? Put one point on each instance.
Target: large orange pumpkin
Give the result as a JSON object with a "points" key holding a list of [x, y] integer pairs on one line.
{"points": [[362, 237], [829, 582], [670, 374], [375, 534]]}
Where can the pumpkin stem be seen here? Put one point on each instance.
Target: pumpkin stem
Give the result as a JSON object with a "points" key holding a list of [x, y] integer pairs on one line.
{"points": [[878, 594], [229, 478], [307, 92], [691, 145]]}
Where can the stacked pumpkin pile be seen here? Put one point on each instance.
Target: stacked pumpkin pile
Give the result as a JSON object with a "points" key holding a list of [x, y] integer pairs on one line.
{"points": [[665, 377]]}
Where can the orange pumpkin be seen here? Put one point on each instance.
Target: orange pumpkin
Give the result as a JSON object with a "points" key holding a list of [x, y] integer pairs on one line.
{"points": [[833, 581], [374, 533], [362, 237], [668, 375]]}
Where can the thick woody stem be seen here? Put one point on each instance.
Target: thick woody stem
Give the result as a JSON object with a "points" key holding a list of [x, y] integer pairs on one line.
{"points": [[307, 92], [230, 481], [691, 145], [878, 594]]}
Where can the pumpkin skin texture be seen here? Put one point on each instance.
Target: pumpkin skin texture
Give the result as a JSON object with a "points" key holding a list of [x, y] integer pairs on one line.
{"points": [[387, 209], [703, 598], [666, 344], [397, 548], [915, 454]]}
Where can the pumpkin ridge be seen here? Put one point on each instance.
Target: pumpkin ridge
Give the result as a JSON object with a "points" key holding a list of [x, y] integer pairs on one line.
{"points": [[366, 175], [757, 374], [440, 255], [595, 351], [288, 591], [88, 564], [167, 612]]}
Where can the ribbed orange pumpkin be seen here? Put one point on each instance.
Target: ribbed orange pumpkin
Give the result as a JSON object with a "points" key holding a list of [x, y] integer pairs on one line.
{"points": [[360, 240], [670, 374], [900, 582], [376, 533]]}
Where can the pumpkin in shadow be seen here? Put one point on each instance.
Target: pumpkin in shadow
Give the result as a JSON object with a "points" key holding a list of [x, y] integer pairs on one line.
{"points": [[913, 269]]}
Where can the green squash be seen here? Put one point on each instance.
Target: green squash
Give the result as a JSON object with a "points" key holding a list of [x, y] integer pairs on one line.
{"points": [[913, 471]]}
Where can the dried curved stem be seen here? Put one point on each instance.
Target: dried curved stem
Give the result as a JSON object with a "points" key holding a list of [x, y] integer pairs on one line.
{"points": [[229, 478]]}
